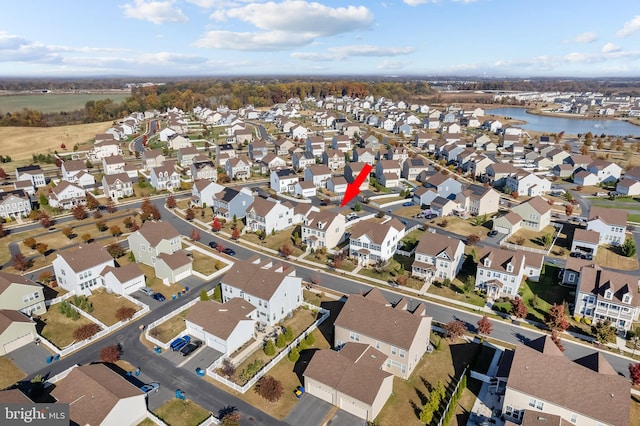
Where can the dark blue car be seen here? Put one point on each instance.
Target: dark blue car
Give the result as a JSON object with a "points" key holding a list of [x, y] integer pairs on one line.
{"points": [[159, 297], [179, 343]]}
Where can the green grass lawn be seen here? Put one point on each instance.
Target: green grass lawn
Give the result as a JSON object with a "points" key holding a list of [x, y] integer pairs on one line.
{"points": [[455, 291], [177, 412], [393, 270], [51, 102]]}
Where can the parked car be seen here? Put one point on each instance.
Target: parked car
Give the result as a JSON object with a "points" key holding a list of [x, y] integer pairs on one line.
{"points": [[430, 216], [492, 233], [575, 254], [587, 256], [159, 297], [408, 204], [147, 290], [190, 347], [213, 244], [352, 216], [150, 387], [179, 343], [229, 251]]}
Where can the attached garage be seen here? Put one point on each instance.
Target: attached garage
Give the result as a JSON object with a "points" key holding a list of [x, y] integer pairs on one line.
{"points": [[354, 407], [195, 331], [216, 344], [323, 392], [18, 343], [183, 274]]}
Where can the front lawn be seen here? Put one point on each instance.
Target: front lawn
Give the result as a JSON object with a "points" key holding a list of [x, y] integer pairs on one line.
{"points": [[206, 265], [398, 265], [274, 242], [178, 412], [446, 364], [460, 226], [9, 372], [324, 259], [456, 292], [58, 329], [106, 305], [612, 257], [170, 328], [530, 238]]}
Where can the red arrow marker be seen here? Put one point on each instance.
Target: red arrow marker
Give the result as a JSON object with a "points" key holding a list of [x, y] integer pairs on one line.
{"points": [[353, 188]]}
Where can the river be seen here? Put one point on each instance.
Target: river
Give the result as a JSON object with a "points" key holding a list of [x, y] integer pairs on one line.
{"points": [[572, 126]]}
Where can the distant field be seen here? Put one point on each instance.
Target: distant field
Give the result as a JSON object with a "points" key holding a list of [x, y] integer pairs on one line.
{"points": [[50, 102], [21, 142]]}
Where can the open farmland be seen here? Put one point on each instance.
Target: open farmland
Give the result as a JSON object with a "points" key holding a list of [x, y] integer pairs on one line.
{"points": [[21, 142], [49, 102]]}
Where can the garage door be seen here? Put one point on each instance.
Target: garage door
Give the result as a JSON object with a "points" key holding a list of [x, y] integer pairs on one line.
{"points": [[195, 332], [502, 229], [320, 392], [217, 344], [353, 407], [182, 275], [18, 343]]}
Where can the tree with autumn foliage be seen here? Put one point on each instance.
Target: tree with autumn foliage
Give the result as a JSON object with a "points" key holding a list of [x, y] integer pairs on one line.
{"points": [[125, 313], [149, 211], [484, 326], [634, 373], [518, 308], [171, 202], [30, 243], [45, 220], [286, 251], [42, 248], [20, 262], [189, 214], [455, 329], [111, 207], [568, 209], [86, 331], [116, 250], [269, 388], [3, 231], [557, 319], [3, 174], [216, 225], [110, 354], [555, 338], [195, 235], [79, 212], [236, 233]]}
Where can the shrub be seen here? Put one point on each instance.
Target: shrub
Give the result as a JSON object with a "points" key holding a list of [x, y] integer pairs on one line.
{"points": [[294, 355], [288, 334], [228, 369], [203, 295], [82, 302], [269, 348], [110, 354], [67, 310], [86, 331], [280, 341], [125, 312], [251, 369], [269, 388], [310, 339]]}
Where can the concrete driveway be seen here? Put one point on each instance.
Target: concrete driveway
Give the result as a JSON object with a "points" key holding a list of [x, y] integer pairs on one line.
{"points": [[309, 410], [342, 418], [30, 357]]}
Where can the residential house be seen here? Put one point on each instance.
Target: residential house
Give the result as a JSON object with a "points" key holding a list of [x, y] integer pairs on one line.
{"points": [[113, 164], [104, 149], [556, 155], [397, 153], [527, 184], [318, 174], [177, 142], [532, 379], [496, 174], [120, 402], [238, 168], [352, 379], [116, 186], [352, 170], [627, 186], [243, 135], [222, 327], [422, 140], [443, 206], [187, 155], [372, 242], [315, 145], [606, 171], [333, 158], [33, 174], [364, 155], [478, 165], [478, 200], [76, 171], [165, 178], [388, 173], [500, 272], [271, 287], [323, 229], [18, 293], [283, 180], [258, 149], [123, 280], [608, 295], [79, 270], [585, 178], [585, 241], [224, 152], [203, 192], [337, 185], [26, 186], [341, 143], [16, 330], [305, 189], [302, 160], [572, 269], [174, 267], [611, 224], [438, 257], [444, 184], [578, 161], [535, 213], [299, 132], [152, 158], [153, 239], [166, 133], [270, 162], [231, 203], [14, 204], [282, 146], [269, 215], [423, 196], [403, 336], [369, 142], [412, 167], [66, 195], [562, 170], [507, 224]]}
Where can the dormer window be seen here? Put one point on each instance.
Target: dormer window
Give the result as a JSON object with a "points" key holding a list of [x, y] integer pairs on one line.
{"points": [[487, 262], [608, 294], [509, 267], [626, 298]]}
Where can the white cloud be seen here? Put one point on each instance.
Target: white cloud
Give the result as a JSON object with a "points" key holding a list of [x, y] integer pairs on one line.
{"points": [[610, 48], [157, 12], [630, 27], [284, 25], [344, 52], [218, 4], [9, 41], [588, 37], [391, 65], [252, 41]]}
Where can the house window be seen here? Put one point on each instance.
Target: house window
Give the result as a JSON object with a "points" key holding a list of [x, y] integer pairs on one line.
{"points": [[608, 294], [573, 418], [540, 405], [626, 298], [532, 402], [377, 344], [394, 350], [354, 336], [402, 353]]}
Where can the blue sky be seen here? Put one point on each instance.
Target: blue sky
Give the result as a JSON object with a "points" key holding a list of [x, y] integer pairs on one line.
{"points": [[493, 38]]}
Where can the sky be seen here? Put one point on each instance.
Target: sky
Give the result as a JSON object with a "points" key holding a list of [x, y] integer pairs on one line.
{"points": [[155, 38]]}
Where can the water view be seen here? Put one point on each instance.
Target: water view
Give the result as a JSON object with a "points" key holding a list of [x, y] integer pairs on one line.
{"points": [[572, 126]]}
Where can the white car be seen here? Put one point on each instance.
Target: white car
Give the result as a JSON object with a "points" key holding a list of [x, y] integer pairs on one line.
{"points": [[147, 290], [352, 216]]}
